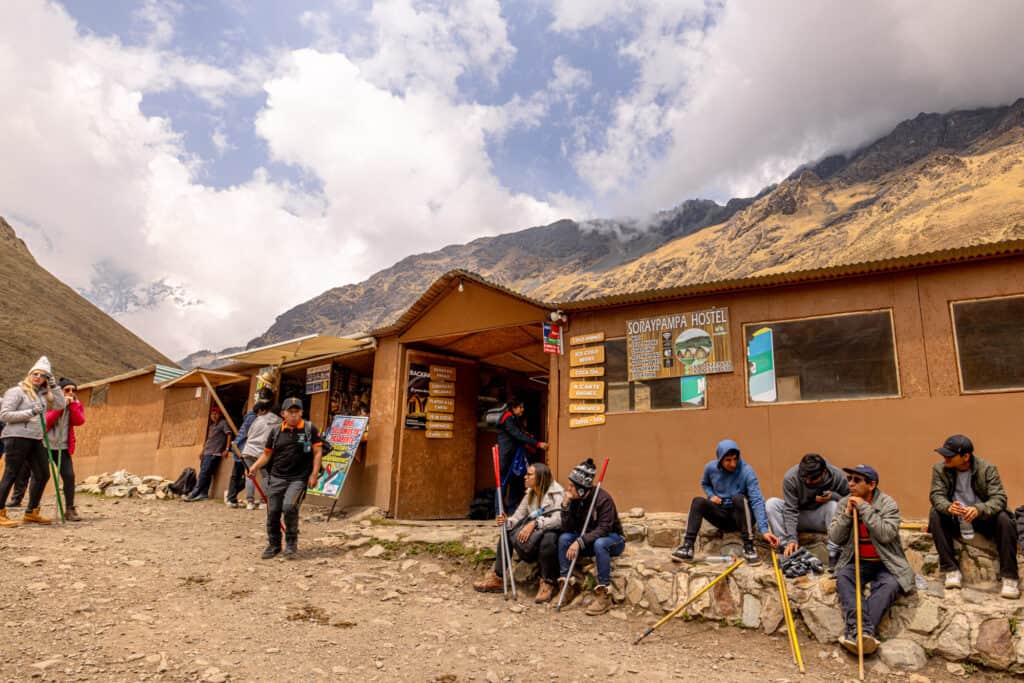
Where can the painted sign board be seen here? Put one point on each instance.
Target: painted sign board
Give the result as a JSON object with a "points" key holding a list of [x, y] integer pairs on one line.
{"points": [[587, 371], [417, 391], [318, 379], [586, 407], [340, 444], [679, 345], [591, 338], [586, 390], [442, 388], [552, 338], [442, 373], [439, 433], [440, 417], [436, 404], [761, 367], [586, 421], [588, 355]]}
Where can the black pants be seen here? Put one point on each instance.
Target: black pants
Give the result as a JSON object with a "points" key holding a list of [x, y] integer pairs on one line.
{"points": [[18, 452], [284, 496], [67, 480], [237, 482], [884, 591], [944, 528], [735, 517], [20, 484], [545, 555]]}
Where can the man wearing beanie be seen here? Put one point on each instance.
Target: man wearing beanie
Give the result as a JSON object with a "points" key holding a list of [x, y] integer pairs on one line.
{"points": [[811, 491], [602, 541]]}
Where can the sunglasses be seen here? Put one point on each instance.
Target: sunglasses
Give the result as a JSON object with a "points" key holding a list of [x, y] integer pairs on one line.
{"points": [[39, 374], [856, 480]]}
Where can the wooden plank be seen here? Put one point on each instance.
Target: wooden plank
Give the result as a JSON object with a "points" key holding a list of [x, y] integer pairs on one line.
{"points": [[586, 421], [589, 371], [591, 338], [442, 373], [586, 390], [588, 355], [586, 407], [440, 434], [442, 388], [440, 417], [440, 405]]}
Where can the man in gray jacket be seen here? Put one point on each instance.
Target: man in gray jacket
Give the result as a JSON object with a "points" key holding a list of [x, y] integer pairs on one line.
{"points": [[811, 493], [882, 562]]}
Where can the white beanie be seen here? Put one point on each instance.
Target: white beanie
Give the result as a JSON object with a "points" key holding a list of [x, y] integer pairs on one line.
{"points": [[42, 364]]}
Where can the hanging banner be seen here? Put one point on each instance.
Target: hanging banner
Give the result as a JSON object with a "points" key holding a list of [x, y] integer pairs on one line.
{"points": [[679, 345], [761, 367], [340, 444], [590, 355], [417, 391], [552, 338], [591, 338], [318, 379]]}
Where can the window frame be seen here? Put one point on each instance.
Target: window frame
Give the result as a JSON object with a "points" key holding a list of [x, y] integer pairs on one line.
{"points": [[956, 345], [607, 386], [746, 367]]}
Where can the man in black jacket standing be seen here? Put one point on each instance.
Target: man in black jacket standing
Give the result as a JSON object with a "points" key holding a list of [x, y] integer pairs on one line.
{"points": [[512, 437]]}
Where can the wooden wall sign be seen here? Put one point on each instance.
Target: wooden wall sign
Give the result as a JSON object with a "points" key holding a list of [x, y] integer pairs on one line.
{"points": [[587, 371], [586, 338], [440, 417], [590, 355], [440, 405], [594, 390], [586, 407], [442, 373], [442, 389], [586, 421], [439, 433]]}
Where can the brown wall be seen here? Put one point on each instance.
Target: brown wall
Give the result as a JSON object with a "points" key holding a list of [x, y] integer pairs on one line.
{"points": [[657, 457]]}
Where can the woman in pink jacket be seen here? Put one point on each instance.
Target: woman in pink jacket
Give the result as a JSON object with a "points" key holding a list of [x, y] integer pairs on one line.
{"points": [[60, 425]]}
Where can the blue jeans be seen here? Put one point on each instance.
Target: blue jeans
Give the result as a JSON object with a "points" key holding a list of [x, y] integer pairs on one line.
{"points": [[205, 478], [602, 550]]}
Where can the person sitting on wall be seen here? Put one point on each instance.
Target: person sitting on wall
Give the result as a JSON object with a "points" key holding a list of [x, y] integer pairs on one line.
{"points": [[512, 440], [811, 492], [732, 491], [967, 496], [293, 454], [533, 531], [604, 538], [216, 447], [882, 562]]}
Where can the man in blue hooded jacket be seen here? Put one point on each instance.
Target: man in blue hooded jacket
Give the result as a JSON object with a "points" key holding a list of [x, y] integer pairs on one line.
{"points": [[734, 503]]}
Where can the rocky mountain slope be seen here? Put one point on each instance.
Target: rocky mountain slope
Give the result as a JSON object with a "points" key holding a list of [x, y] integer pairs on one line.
{"points": [[935, 181], [40, 315]]}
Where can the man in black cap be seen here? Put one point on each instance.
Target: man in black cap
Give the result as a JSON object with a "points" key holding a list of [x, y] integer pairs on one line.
{"points": [[968, 496], [811, 493], [293, 453], [883, 564]]}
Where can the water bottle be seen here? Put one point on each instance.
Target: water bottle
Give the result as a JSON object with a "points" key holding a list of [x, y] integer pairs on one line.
{"points": [[719, 559], [966, 528]]}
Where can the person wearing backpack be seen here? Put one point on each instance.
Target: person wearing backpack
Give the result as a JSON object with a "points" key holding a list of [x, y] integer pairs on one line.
{"points": [[532, 531], [512, 442], [267, 420], [293, 454]]}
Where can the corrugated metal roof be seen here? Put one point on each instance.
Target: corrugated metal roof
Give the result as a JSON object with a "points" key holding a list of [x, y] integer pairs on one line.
{"points": [[165, 373]]}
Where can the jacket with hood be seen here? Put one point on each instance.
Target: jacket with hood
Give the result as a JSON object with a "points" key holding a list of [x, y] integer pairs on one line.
{"points": [[61, 426], [985, 481], [259, 431], [718, 482], [797, 496], [882, 518], [20, 412], [551, 501]]}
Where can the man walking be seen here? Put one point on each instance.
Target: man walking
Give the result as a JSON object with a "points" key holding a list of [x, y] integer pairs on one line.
{"points": [[967, 496], [811, 493], [216, 447], [293, 454], [732, 492], [882, 562]]}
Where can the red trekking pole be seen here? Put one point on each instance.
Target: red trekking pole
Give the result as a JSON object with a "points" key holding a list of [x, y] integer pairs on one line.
{"points": [[586, 522], [506, 554]]}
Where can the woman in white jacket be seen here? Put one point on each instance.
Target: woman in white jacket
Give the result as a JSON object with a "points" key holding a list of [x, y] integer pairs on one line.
{"points": [[533, 532], [21, 412]]}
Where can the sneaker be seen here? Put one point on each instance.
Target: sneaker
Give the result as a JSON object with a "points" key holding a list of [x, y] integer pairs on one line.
{"points": [[954, 580], [601, 603], [1010, 590], [226, 501], [260, 506], [545, 592], [270, 551], [683, 553], [233, 506], [750, 553], [871, 643], [491, 584], [250, 506]]}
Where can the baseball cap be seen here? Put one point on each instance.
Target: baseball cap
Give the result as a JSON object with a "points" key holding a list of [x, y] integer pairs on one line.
{"points": [[958, 444], [866, 471], [291, 403]]}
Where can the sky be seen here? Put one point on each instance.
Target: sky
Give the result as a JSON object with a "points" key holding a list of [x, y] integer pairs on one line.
{"points": [[197, 167]]}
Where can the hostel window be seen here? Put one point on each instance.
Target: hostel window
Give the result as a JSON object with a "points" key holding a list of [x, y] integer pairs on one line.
{"points": [[848, 356], [990, 343], [623, 396]]}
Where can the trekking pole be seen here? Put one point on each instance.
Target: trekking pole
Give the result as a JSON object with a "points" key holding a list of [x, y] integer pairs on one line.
{"points": [[780, 581], [506, 564], [54, 469], [586, 521], [702, 591], [856, 583]]}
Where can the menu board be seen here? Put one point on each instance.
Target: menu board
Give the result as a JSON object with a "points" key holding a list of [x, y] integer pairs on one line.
{"points": [[441, 402], [586, 393], [679, 345], [318, 379]]}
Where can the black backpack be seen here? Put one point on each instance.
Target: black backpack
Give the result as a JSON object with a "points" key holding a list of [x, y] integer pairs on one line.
{"points": [[185, 482], [482, 506]]}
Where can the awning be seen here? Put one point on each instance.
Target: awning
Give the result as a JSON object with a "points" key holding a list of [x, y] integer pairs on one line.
{"points": [[194, 378], [302, 348]]}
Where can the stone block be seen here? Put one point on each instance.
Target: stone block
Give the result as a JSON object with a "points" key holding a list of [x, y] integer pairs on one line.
{"points": [[926, 618], [636, 513], [994, 644], [634, 590], [662, 589], [771, 613], [825, 622], [525, 572], [902, 654], [664, 536], [751, 611], [954, 642], [634, 533]]}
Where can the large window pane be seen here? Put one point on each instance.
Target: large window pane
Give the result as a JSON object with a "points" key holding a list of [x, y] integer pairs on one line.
{"points": [[990, 343], [623, 396], [818, 359]]}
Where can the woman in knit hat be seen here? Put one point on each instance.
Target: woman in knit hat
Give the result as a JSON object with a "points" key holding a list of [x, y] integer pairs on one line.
{"points": [[21, 411]]}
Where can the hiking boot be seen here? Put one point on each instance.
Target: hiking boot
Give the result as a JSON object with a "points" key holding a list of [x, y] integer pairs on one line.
{"points": [[545, 591], [954, 580], [601, 603], [750, 553], [683, 553], [849, 641], [570, 592], [492, 583], [871, 643], [1010, 590], [270, 552], [35, 517], [290, 548], [4, 521], [72, 515]]}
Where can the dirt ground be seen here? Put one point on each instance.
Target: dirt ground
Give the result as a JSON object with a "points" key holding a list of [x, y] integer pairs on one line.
{"points": [[169, 591]]}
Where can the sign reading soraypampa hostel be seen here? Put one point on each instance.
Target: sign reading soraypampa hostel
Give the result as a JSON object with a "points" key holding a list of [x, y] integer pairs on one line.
{"points": [[679, 345]]}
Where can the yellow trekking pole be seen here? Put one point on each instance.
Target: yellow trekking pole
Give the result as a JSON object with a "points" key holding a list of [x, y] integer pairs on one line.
{"points": [[702, 591], [857, 587], [794, 644]]}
